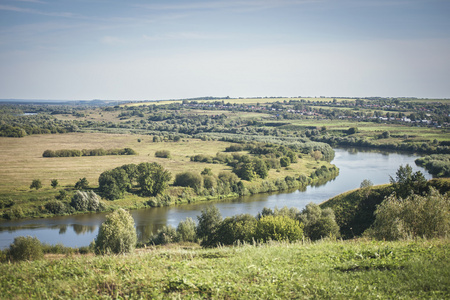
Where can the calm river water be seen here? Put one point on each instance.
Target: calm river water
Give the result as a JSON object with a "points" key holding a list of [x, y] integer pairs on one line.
{"points": [[354, 166]]}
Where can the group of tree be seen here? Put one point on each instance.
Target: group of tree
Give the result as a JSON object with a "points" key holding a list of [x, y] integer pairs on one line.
{"points": [[276, 225], [150, 178], [87, 152], [437, 164]]}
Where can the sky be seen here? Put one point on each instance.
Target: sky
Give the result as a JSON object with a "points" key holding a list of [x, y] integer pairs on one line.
{"points": [[156, 50]]}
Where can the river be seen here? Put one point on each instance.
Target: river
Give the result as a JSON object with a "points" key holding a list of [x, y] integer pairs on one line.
{"points": [[354, 165]]}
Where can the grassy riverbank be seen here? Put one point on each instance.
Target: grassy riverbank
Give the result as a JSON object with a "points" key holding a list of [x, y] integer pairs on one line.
{"points": [[356, 269]]}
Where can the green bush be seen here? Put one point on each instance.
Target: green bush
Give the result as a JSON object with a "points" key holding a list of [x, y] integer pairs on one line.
{"points": [[278, 228], [55, 207], [26, 248], [285, 161], [117, 234], [318, 223], [36, 184], [415, 216], [189, 179], [163, 154], [236, 228], [82, 184], [163, 236], [5, 203]]}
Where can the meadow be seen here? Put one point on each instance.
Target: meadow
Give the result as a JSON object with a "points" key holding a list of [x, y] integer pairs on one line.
{"points": [[354, 269], [22, 162]]}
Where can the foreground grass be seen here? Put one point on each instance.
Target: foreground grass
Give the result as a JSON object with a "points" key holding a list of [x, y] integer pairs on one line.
{"points": [[338, 270]]}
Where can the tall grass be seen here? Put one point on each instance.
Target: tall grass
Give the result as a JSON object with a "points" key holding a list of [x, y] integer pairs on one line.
{"points": [[324, 270]]}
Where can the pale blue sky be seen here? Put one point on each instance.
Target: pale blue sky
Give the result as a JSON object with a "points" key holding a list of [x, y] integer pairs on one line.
{"points": [[98, 49]]}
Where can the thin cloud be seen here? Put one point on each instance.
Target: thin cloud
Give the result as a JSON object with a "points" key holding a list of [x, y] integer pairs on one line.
{"points": [[257, 4], [39, 12], [32, 1], [183, 36], [112, 40]]}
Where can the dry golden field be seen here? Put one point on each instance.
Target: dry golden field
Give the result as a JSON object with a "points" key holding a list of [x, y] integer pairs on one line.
{"points": [[21, 158]]}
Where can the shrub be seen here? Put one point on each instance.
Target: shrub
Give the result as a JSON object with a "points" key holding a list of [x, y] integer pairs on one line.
{"points": [[163, 154], [54, 183], [117, 234], [82, 184], [284, 161], [55, 207], [237, 228], [5, 203], [318, 223], [26, 248], [209, 182], [14, 213], [36, 184], [165, 235], [278, 228], [85, 201], [189, 179]]}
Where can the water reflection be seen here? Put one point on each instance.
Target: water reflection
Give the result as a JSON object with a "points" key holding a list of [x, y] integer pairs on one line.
{"points": [[82, 229]]}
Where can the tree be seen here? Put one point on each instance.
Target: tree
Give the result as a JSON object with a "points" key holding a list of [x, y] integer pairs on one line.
{"points": [[85, 201], [236, 228], [117, 234], [153, 178], [36, 184], [82, 184], [317, 155], [365, 187], [113, 183], [245, 170], [54, 183], [260, 168], [366, 183], [292, 156], [318, 223], [407, 183], [285, 161], [352, 130], [186, 231], [208, 223]]}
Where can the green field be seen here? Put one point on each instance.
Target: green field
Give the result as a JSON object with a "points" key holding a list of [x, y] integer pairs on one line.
{"points": [[355, 269]]}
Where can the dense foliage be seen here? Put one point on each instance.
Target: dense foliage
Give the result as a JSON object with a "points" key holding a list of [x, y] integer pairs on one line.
{"points": [[26, 248], [117, 234], [415, 216], [85, 201]]}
